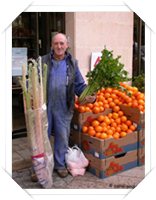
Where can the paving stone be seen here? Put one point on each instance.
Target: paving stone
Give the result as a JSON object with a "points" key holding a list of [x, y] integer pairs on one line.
{"points": [[16, 148], [16, 141], [117, 181], [138, 172], [25, 154], [87, 184], [16, 157], [22, 164]]}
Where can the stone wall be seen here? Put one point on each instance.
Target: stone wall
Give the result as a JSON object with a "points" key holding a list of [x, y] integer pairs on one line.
{"points": [[90, 31]]}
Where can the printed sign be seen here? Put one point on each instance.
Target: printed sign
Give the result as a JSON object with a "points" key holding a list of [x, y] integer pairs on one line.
{"points": [[95, 58], [19, 57]]}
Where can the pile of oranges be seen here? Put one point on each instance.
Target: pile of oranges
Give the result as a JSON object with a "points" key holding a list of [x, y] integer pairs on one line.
{"points": [[112, 98], [114, 125]]}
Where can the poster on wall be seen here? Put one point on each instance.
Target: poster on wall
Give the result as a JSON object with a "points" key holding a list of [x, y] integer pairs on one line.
{"points": [[19, 57], [95, 58]]}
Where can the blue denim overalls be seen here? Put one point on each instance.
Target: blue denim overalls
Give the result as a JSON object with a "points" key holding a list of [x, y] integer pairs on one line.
{"points": [[59, 116]]}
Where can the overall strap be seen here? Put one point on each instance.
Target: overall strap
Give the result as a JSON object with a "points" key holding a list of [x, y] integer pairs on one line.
{"points": [[71, 67]]}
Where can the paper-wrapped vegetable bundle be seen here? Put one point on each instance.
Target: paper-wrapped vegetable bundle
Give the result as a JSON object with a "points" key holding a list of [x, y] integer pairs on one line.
{"points": [[34, 92]]}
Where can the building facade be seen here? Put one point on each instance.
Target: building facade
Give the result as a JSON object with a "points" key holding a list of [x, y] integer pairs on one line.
{"points": [[87, 32]]}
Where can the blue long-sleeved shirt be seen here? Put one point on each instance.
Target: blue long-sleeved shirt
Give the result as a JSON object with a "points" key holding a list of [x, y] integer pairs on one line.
{"points": [[63, 83]]}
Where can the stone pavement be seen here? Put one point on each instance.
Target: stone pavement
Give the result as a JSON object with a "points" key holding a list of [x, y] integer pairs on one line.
{"points": [[22, 170]]}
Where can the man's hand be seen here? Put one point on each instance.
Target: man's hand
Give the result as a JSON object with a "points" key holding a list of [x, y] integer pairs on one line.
{"points": [[89, 99]]}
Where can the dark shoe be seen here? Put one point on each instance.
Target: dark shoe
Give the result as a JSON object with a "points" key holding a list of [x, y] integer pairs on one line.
{"points": [[62, 173], [34, 177]]}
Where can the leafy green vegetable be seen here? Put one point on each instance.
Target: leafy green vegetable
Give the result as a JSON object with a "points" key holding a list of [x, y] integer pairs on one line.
{"points": [[109, 72], [139, 82]]}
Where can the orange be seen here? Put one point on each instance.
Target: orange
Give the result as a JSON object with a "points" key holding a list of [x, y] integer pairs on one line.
{"points": [[116, 101], [116, 135], [101, 108], [133, 97], [116, 108], [113, 128], [106, 105], [129, 131], [112, 104], [81, 109], [90, 105], [98, 129], [100, 118], [114, 124], [98, 135], [90, 128], [98, 92], [141, 108], [115, 115], [141, 102], [122, 84], [129, 104], [128, 122], [96, 104], [91, 132], [135, 89], [110, 115], [95, 123], [100, 103], [109, 136], [123, 134], [115, 91], [87, 109], [105, 102], [108, 127], [110, 132], [120, 113], [103, 136], [113, 96], [132, 127], [118, 121], [109, 90], [109, 99], [103, 124], [124, 127], [112, 120], [84, 129], [134, 103], [100, 97], [102, 90], [118, 129], [140, 96], [107, 120], [123, 118], [96, 109], [107, 95], [104, 128]]}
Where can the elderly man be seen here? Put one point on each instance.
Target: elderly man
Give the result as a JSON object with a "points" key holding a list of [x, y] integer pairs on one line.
{"points": [[64, 81]]}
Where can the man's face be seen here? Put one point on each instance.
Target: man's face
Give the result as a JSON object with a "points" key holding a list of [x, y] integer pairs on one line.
{"points": [[59, 45]]}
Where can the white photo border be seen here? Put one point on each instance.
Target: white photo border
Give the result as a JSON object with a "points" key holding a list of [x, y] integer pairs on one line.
{"points": [[6, 36]]}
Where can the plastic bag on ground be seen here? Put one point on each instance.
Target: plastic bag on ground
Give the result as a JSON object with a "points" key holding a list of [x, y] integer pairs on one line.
{"points": [[76, 161]]}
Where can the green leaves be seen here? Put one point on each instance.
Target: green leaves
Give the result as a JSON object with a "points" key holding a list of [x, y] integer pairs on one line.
{"points": [[139, 82], [109, 72]]}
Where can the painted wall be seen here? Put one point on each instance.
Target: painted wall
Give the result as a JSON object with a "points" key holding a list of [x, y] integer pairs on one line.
{"points": [[91, 31]]}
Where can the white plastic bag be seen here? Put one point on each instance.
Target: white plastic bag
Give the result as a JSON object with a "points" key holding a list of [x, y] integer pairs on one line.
{"points": [[76, 161]]}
